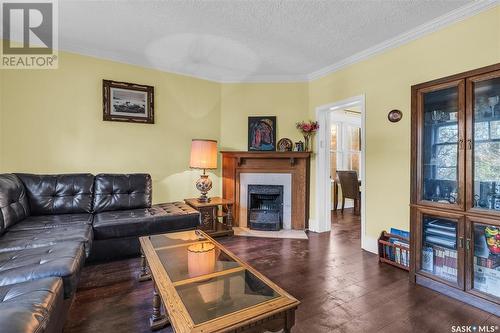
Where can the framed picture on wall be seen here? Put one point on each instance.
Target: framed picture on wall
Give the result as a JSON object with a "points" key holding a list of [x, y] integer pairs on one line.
{"points": [[123, 101], [262, 133]]}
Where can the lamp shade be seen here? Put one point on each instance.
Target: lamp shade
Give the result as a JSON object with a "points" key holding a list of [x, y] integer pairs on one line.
{"points": [[203, 154]]}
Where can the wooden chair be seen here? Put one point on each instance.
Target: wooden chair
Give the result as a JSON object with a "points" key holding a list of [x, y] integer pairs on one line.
{"points": [[350, 189]]}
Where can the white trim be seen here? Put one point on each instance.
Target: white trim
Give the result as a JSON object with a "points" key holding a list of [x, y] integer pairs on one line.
{"points": [[440, 22], [369, 244], [322, 222]]}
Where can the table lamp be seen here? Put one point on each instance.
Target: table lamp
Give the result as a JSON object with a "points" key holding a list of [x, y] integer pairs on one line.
{"points": [[203, 156]]}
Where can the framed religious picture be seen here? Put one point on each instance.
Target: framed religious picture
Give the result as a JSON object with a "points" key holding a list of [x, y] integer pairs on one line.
{"points": [[262, 133], [129, 102]]}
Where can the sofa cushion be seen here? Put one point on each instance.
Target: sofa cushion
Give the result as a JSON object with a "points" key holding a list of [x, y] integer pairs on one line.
{"points": [[32, 307], [160, 218], [122, 191], [52, 221], [63, 260], [14, 205], [59, 194], [34, 238]]}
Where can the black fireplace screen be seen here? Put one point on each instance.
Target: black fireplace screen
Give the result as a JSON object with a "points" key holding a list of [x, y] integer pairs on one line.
{"points": [[265, 207]]}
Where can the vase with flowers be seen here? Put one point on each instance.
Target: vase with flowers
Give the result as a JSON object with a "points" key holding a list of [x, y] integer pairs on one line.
{"points": [[308, 129]]}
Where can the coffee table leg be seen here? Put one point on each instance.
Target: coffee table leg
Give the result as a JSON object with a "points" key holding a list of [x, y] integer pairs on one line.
{"points": [[290, 321], [144, 273], [157, 320]]}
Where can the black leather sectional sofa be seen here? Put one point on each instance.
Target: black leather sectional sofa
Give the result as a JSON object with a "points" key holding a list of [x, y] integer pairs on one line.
{"points": [[50, 225]]}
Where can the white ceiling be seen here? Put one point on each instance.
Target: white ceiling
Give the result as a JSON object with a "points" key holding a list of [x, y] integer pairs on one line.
{"points": [[235, 40]]}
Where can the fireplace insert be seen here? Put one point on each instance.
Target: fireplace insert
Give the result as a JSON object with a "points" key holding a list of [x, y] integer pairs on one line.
{"points": [[265, 207]]}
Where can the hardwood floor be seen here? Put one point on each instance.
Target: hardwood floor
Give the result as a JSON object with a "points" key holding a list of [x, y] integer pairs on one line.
{"points": [[341, 287]]}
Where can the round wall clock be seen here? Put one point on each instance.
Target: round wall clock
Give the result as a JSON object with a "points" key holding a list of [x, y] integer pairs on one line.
{"points": [[394, 116]]}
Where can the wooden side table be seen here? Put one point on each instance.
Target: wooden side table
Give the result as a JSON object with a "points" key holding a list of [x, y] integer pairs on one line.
{"points": [[216, 215]]}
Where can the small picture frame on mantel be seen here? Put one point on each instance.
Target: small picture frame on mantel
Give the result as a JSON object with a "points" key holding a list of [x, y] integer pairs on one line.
{"points": [[129, 102]]}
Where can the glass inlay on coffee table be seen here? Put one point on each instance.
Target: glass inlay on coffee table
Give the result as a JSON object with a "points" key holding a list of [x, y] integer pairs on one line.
{"points": [[206, 288]]}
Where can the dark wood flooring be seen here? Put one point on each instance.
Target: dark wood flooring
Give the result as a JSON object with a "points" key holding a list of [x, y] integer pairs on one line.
{"points": [[341, 287]]}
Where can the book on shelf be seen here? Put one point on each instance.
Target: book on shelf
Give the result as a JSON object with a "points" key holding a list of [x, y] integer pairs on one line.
{"points": [[401, 233], [440, 232], [443, 225], [493, 261], [402, 255], [441, 241], [441, 261]]}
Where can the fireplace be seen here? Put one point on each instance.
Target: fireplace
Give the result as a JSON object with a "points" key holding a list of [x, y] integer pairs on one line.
{"points": [[289, 169], [265, 207]]}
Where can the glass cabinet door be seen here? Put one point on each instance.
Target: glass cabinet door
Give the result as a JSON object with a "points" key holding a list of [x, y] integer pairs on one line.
{"points": [[483, 142], [442, 118], [441, 248], [485, 253]]}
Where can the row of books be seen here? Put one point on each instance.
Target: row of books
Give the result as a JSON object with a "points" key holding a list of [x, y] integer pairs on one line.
{"points": [[402, 255], [397, 254], [492, 261], [440, 261]]}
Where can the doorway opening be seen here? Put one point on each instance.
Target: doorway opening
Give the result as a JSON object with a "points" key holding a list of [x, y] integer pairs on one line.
{"points": [[341, 147]]}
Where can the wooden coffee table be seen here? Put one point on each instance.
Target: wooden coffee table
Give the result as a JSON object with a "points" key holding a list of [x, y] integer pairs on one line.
{"points": [[205, 288]]}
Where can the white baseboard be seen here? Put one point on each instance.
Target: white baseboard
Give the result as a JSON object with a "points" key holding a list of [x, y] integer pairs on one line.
{"points": [[369, 244], [313, 226]]}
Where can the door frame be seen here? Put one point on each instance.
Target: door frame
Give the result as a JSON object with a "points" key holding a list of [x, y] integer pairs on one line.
{"points": [[323, 184]]}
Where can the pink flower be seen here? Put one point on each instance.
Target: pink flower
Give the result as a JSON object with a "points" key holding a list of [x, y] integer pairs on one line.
{"points": [[307, 127]]}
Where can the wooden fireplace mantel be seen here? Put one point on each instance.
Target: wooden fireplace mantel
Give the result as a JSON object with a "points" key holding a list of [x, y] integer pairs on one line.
{"points": [[295, 163]]}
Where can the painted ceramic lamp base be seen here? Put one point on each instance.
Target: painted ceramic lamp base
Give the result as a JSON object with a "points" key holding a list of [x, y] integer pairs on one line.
{"points": [[204, 184]]}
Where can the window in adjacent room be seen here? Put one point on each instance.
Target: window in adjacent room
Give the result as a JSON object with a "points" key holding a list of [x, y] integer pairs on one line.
{"points": [[345, 144]]}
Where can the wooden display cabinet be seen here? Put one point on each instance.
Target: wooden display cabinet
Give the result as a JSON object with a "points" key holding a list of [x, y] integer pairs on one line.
{"points": [[455, 202]]}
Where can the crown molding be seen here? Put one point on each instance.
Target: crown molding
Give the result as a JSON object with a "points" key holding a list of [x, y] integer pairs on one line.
{"points": [[267, 79], [436, 24]]}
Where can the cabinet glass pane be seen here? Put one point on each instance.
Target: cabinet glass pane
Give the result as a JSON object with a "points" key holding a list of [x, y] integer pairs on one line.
{"points": [[487, 259], [486, 153], [440, 146], [439, 247]]}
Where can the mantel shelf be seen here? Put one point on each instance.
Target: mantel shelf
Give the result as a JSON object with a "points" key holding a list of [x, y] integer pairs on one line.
{"points": [[242, 155], [267, 154]]}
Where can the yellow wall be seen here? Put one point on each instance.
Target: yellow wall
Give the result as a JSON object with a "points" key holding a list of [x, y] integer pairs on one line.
{"points": [[287, 101], [386, 80], [52, 123]]}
